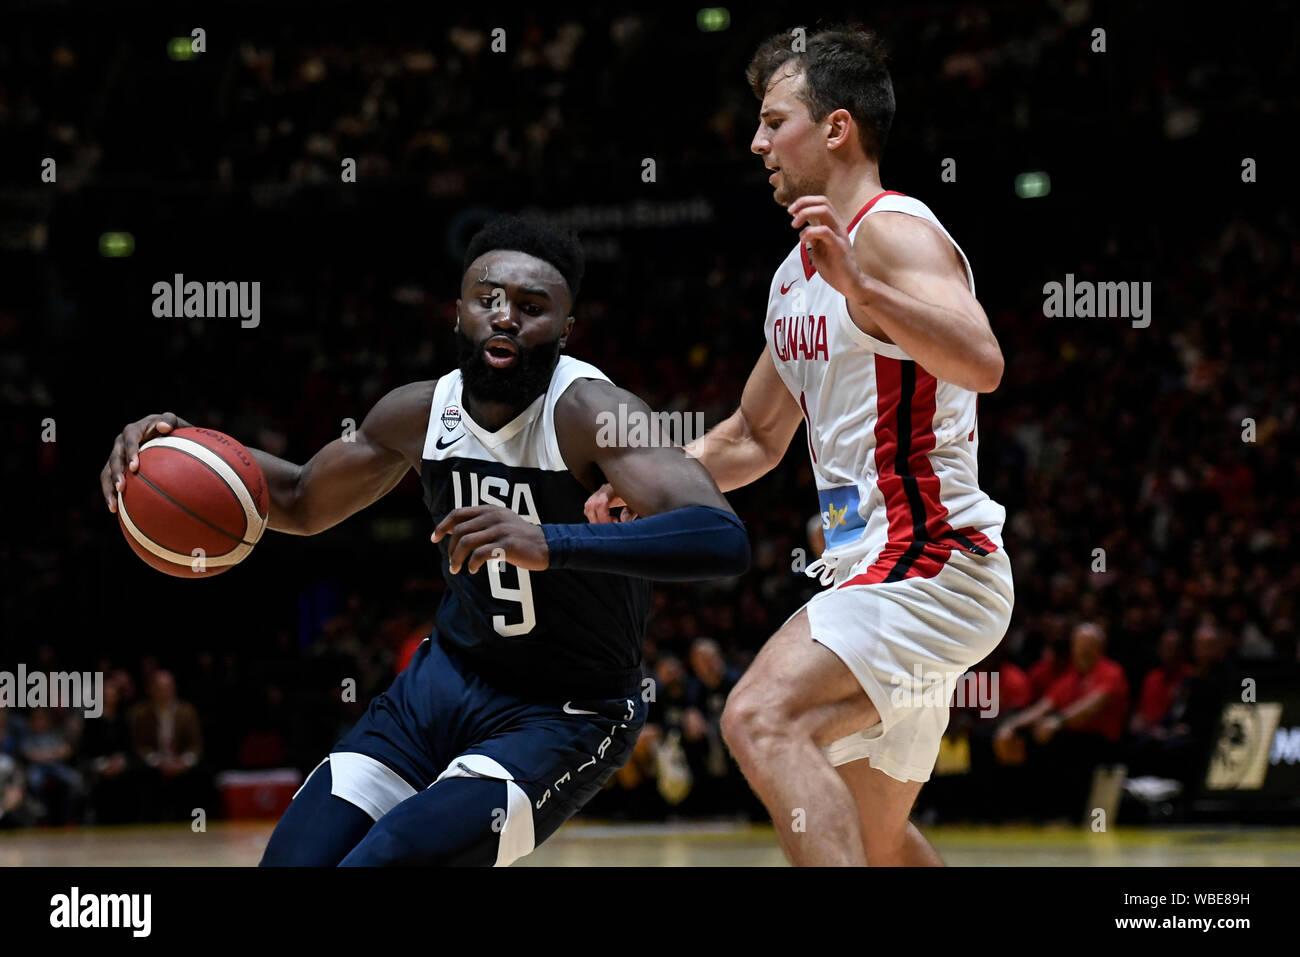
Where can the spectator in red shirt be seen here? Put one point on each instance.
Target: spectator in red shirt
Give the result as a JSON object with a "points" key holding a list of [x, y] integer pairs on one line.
{"points": [[1160, 686], [1073, 727], [1090, 698], [1015, 689], [1177, 744]]}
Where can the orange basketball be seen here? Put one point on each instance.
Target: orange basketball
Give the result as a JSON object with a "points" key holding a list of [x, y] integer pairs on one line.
{"points": [[197, 505]]}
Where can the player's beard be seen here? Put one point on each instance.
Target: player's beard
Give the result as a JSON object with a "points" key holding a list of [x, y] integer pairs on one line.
{"points": [[792, 189], [516, 386]]}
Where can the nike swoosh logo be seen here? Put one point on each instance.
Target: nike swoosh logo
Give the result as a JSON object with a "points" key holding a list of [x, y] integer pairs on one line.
{"points": [[785, 286], [569, 710], [440, 444]]}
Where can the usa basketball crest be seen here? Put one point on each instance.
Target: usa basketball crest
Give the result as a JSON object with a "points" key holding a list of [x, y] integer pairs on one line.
{"points": [[450, 418]]}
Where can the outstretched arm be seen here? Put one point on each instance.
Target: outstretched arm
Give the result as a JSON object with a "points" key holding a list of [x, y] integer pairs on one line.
{"points": [[339, 480]]}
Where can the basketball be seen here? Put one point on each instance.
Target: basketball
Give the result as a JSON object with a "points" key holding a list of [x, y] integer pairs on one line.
{"points": [[197, 505]]}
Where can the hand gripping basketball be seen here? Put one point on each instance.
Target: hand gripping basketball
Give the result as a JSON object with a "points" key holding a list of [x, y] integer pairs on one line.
{"points": [[192, 502]]}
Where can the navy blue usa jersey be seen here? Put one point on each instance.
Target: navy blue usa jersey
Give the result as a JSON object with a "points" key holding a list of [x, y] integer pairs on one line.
{"points": [[543, 635]]}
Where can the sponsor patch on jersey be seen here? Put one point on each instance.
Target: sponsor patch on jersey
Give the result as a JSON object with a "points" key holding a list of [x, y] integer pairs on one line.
{"points": [[841, 520], [450, 417]]}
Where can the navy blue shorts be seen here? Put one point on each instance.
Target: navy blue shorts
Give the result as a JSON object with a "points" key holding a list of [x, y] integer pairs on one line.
{"points": [[440, 720]]}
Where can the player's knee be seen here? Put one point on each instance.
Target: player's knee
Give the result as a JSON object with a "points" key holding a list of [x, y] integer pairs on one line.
{"points": [[318, 829], [753, 721], [735, 719], [385, 846]]}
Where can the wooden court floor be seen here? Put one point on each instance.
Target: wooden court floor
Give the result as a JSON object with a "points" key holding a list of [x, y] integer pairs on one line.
{"points": [[687, 845]]}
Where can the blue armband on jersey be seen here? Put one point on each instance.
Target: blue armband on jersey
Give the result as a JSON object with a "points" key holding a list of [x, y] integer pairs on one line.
{"points": [[687, 544]]}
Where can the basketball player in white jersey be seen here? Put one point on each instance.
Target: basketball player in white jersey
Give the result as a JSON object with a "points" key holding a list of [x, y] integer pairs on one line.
{"points": [[875, 341]]}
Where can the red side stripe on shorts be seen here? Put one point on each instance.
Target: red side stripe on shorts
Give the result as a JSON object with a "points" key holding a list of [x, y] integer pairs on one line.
{"points": [[926, 562]]}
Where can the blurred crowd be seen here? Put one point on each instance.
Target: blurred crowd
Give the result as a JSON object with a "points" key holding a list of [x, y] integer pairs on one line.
{"points": [[134, 761], [1148, 474], [453, 103]]}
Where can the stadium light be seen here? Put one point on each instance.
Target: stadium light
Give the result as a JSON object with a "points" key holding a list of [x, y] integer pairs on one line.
{"points": [[180, 48], [1033, 185], [116, 245], [713, 19]]}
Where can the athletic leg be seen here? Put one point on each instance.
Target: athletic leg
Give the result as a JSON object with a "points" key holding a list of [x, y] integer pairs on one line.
{"points": [[398, 746], [796, 698], [459, 821], [883, 806], [497, 801], [819, 696], [318, 829]]}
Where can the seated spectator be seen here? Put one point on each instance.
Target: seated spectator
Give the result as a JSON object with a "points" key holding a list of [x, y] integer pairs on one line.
{"points": [[1188, 726], [15, 807], [719, 785], [51, 779], [1156, 740], [671, 698], [167, 740], [11, 733], [1074, 727], [109, 765], [1160, 686], [673, 722]]}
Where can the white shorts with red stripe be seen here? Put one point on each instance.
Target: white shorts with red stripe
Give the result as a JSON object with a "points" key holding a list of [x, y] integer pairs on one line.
{"points": [[907, 631]]}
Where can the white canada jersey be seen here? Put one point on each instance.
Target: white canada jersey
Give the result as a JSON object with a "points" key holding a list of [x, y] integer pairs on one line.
{"points": [[893, 449]]}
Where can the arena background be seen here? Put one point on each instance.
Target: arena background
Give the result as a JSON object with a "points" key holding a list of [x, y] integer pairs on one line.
{"points": [[225, 165]]}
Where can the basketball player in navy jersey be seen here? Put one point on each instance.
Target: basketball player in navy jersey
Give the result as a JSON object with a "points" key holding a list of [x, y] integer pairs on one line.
{"points": [[526, 698]]}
